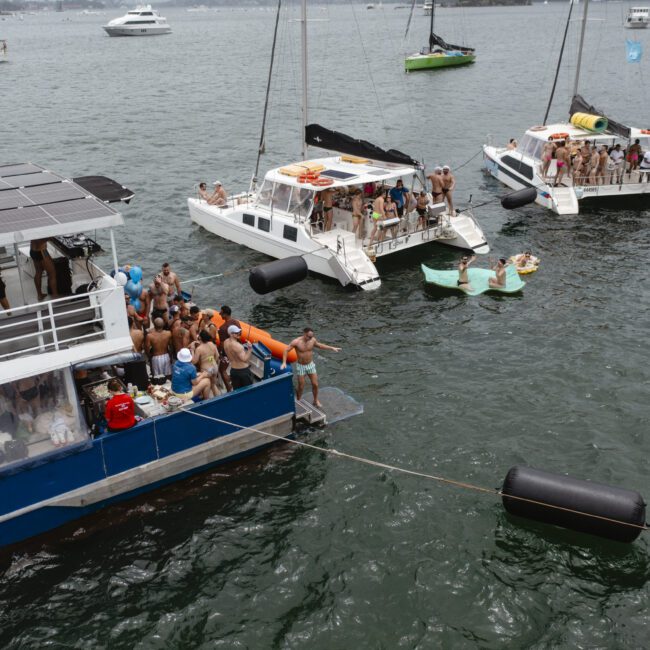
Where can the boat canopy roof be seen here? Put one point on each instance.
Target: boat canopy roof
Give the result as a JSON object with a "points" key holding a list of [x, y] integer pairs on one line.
{"points": [[574, 132], [343, 171], [37, 204]]}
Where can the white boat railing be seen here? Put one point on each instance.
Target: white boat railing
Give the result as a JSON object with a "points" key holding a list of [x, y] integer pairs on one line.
{"points": [[60, 323]]}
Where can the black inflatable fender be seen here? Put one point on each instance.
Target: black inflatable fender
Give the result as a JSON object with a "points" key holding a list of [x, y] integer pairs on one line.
{"points": [[277, 274], [519, 198]]}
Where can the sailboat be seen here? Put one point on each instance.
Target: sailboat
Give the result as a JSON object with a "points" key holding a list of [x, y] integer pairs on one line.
{"points": [[287, 215], [523, 167], [439, 54]]}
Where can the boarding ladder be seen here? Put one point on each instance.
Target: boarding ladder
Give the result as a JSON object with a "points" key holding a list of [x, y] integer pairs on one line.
{"points": [[564, 199]]}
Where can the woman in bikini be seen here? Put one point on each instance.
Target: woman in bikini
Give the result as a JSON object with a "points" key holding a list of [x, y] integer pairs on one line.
{"points": [[357, 213], [390, 212], [43, 263], [205, 356]]}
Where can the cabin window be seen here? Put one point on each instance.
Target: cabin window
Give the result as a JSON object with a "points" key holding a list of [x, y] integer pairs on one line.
{"points": [[38, 415], [146, 13], [301, 201], [281, 196], [264, 224], [140, 22], [518, 165], [290, 233], [249, 220], [264, 194]]}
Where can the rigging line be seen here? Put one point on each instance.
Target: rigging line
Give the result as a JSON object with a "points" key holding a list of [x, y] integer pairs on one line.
{"points": [[260, 148], [497, 492], [365, 56], [408, 22], [480, 151], [557, 69]]}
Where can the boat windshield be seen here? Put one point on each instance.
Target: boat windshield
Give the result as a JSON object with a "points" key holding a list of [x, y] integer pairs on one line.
{"points": [[531, 146], [38, 415], [285, 198]]}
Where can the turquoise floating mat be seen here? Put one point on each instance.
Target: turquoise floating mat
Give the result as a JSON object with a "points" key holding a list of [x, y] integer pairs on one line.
{"points": [[478, 280]]}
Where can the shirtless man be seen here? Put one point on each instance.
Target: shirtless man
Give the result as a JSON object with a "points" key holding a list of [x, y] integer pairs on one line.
{"points": [[547, 156], [327, 196], [422, 209], [205, 356], [561, 161], [170, 278], [137, 335], [603, 161], [634, 155], [357, 213], [175, 314], [378, 216], [304, 346], [448, 184], [437, 195], [463, 279], [195, 321], [219, 196], [500, 280], [158, 293], [203, 192], [181, 335], [226, 315], [593, 165], [239, 356], [157, 346]]}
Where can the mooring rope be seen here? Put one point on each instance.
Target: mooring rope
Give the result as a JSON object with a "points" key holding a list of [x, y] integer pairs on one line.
{"points": [[497, 492]]}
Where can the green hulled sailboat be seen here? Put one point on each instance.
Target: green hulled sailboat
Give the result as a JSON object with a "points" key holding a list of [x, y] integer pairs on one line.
{"points": [[439, 54]]}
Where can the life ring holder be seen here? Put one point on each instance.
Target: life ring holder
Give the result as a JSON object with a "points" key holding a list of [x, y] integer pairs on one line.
{"points": [[558, 136], [537, 128], [322, 182]]}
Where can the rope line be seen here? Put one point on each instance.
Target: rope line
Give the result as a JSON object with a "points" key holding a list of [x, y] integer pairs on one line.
{"points": [[402, 470]]}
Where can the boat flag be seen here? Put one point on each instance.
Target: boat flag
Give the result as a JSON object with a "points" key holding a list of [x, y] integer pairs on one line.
{"points": [[634, 50]]}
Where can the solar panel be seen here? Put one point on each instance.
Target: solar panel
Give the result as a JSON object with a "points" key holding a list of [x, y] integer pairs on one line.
{"points": [[335, 173], [33, 199]]}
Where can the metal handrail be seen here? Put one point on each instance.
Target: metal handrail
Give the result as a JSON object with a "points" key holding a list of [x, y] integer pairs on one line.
{"points": [[41, 348]]}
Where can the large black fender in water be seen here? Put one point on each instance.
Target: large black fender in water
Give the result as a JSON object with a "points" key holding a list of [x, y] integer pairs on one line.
{"points": [[601, 503], [519, 198], [277, 274]]}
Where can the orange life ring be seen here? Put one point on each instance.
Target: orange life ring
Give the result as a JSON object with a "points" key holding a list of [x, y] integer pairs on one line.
{"points": [[303, 178], [645, 131], [312, 175], [558, 136], [322, 182]]}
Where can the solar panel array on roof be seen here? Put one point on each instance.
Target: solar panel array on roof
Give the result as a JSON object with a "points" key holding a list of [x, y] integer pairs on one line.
{"points": [[336, 173], [32, 198]]}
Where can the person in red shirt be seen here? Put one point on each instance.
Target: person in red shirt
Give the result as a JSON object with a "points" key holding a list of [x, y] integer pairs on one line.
{"points": [[120, 409]]}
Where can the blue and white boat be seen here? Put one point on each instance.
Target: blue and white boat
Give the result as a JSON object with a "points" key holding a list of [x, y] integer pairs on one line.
{"points": [[55, 466]]}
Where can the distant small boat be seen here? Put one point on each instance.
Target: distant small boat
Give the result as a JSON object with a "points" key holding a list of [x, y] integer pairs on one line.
{"points": [[3, 51], [637, 18], [142, 21]]}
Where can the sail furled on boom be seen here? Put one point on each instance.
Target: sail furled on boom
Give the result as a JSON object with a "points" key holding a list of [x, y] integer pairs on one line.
{"points": [[434, 40], [318, 136], [580, 105]]}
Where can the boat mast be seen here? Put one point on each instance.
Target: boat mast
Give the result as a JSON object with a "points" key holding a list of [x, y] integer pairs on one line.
{"points": [[303, 20], [433, 12], [582, 40]]}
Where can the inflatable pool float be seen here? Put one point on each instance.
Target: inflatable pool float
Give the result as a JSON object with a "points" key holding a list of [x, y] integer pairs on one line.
{"points": [[255, 335], [478, 280], [532, 264]]}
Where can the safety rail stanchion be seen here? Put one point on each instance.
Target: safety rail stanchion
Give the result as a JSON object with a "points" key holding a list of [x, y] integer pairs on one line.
{"points": [[53, 325]]}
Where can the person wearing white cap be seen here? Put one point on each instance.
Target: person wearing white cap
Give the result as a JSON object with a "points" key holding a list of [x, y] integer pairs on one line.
{"points": [[186, 382], [219, 195], [239, 356], [448, 184]]}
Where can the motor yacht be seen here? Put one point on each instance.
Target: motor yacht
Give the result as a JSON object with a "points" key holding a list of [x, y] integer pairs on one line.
{"points": [[141, 21], [637, 18]]}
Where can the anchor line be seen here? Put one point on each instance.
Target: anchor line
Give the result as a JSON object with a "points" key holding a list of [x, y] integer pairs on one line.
{"points": [[497, 492]]}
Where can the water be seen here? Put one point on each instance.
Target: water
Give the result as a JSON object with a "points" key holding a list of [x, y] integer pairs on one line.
{"points": [[292, 549]]}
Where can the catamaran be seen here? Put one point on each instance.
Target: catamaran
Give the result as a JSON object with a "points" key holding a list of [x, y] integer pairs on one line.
{"points": [[523, 167], [283, 218], [438, 54]]}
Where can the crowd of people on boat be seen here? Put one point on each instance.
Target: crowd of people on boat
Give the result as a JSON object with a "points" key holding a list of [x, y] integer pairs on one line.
{"points": [[182, 343], [588, 163]]}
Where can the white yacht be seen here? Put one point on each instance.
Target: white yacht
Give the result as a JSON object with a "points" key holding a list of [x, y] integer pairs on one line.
{"points": [[427, 6], [141, 21], [280, 219], [637, 18]]}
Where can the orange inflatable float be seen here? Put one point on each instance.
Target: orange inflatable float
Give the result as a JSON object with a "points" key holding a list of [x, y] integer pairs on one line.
{"points": [[255, 335]]}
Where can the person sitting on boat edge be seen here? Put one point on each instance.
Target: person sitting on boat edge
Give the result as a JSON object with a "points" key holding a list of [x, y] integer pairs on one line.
{"points": [[203, 192], [463, 279], [120, 409], [187, 383], [499, 282], [239, 356], [512, 144], [219, 197]]}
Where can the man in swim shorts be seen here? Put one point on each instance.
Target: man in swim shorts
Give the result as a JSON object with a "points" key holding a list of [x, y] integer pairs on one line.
{"points": [[448, 184], [437, 194], [157, 346], [499, 282], [634, 155], [239, 356], [421, 209], [305, 366], [561, 161], [158, 294], [547, 156], [463, 280]]}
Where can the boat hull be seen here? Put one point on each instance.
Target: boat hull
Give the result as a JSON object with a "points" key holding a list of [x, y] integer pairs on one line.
{"points": [[72, 483], [432, 62], [121, 30]]}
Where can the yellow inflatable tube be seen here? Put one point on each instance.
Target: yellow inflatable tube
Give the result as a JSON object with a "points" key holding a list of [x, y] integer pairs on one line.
{"points": [[525, 265], [595, 123]]}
